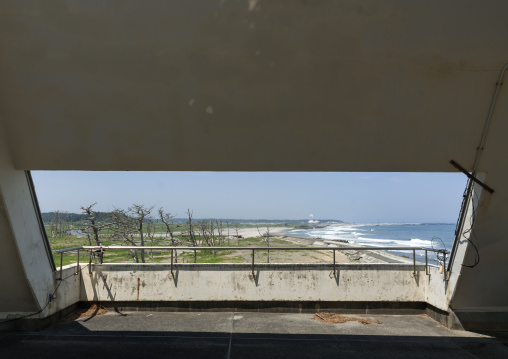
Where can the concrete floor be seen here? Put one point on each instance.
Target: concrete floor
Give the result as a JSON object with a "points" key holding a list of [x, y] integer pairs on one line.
{"points": [[249, 335]]}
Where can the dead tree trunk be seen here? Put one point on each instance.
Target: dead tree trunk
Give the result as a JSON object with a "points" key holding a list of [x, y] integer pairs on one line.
{"points": [[191, 232], [165, 218], [95, 227]]}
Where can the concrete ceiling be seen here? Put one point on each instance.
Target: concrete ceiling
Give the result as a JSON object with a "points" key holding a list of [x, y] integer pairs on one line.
{"points": [[251, 85]]}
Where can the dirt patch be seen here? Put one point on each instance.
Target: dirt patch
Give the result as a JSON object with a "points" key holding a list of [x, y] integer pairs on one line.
{"points": [[339, 319], [80, 313]]}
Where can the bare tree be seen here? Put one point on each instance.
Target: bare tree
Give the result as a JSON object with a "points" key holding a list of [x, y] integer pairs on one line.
{"points": [[227, 225], [192, 236], [125, 227], [220, 229], [266, 237], [94, 227], [67, 225], [150, 234], [203, 232], [59, 224], [213, 237], [166, 219], [139, 213], [237, 235]]}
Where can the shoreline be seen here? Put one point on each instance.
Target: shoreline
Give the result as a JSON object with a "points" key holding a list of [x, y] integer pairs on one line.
{"points": [[370, 256]]}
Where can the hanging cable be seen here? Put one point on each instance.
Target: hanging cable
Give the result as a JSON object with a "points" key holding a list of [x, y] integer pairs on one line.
{"points": [[440, 256], [49, 299], [469, 234]]}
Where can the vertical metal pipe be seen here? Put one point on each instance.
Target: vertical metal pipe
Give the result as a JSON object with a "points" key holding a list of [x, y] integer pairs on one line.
{"points": [[61, 264], [444, 264], [426, 264], [489, 117], [414, 263], [334, 271]]}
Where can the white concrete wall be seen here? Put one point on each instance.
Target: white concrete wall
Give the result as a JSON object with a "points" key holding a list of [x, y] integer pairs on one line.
{"points": [[436, 289], [68, 291], [484, 288], [464, 248], [234, 282]]}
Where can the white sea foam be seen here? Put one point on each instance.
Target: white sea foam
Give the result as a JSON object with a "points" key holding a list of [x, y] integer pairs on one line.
{"points": [[386, 235], [357, 234], [362, 233]]}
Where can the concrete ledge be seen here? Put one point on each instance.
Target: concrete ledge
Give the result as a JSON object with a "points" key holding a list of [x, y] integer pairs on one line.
{"points": [[470, 320], [481, 320], [399, 308], [441, 316], [35, 324]]}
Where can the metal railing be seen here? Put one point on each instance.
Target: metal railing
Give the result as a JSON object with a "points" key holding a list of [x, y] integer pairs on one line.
{"points": [[174, 249]]}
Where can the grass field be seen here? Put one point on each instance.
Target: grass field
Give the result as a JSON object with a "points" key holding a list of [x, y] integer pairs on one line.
{"points": [[221, 255]]}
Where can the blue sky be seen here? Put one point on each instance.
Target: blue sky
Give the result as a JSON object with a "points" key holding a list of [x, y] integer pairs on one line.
{"points": [[351, 197]]}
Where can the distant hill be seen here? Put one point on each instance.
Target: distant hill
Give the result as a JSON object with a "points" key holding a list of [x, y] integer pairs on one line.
{"points": [[104, 216], [73, 217]]}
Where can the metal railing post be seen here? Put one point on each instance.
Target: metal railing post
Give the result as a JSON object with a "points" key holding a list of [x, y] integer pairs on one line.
{"points": [[77, 266], [174, 254], [414, 263], [172, 264], [254, 275], [90, 263]]}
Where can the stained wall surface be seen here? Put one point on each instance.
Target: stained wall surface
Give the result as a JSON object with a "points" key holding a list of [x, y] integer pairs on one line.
{"points": [[273, 282], [250, 85]]}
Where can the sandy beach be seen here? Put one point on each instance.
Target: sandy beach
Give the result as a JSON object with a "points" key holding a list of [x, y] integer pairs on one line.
{"points": [[317, 256]]}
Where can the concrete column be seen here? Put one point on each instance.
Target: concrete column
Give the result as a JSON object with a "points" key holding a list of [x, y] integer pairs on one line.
{"points": [[26, 270]]}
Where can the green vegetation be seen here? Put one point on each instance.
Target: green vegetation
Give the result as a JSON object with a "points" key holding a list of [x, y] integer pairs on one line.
{"points": [[143, 227], [222, 254]]}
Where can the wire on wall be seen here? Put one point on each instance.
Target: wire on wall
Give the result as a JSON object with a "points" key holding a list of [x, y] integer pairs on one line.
{"points": [[50, 297]]}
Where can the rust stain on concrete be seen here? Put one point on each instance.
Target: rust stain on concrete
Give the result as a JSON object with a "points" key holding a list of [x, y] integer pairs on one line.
{"points": [[139, 282]]}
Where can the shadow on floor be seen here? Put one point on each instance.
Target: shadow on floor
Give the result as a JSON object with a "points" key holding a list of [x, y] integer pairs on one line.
{"points": [[255, 335]]}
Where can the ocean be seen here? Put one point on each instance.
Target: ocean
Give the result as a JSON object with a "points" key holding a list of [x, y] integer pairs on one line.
{"points": [[428, 235]]}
